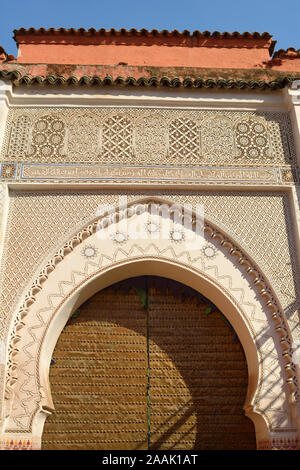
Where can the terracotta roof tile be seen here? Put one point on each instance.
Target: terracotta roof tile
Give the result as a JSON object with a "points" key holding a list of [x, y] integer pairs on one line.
{"points": [[142, 32], [290, 52], [18, 79]]}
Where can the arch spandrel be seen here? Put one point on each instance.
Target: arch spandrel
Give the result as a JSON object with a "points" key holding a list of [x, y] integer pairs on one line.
{"points": [[213, 265]]}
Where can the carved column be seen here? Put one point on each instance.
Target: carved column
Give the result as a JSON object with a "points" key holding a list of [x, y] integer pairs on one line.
{"points": [[293, 103]]}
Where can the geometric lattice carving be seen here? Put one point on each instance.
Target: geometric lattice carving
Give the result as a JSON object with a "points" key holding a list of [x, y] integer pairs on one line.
{"points": [[217, 139], [117, 136], [149, 136], [2, 202], [18, 140], [47, 138], [252, 140], [282, 139], [183, 139]]}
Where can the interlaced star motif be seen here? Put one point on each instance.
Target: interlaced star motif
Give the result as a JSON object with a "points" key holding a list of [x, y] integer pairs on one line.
{"points": [[209, 251], [119, 237], [152, 226], [177, 236]]}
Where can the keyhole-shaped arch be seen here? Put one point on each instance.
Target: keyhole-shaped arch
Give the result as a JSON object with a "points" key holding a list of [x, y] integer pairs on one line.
{"points": [[85, 264]]}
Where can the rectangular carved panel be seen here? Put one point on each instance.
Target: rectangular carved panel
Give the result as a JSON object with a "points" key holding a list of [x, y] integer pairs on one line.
{"points": [[168, 136]]}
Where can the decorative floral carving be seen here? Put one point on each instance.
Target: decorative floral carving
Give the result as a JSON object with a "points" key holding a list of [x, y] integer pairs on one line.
{"points": [[252, 140], [139, 136], [83, 139], [209, 251], [89, 251], [289, 176], [119, 237], [177, 236], [217, 139], [250, 270], [152, 226], [151, 139], [18, 140]]}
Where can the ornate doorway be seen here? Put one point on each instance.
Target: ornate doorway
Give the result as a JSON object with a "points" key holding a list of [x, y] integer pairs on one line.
{"points": [[148, 363]]}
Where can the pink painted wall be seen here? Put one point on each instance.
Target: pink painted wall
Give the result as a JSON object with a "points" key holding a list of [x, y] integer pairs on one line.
{"points": [[289, 64], [152, 51], [137, 51], [142, 55]]}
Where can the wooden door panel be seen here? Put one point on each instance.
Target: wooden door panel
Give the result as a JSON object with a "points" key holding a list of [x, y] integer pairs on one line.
{"points": [[106, 397], [196, 394], [98, 381]]}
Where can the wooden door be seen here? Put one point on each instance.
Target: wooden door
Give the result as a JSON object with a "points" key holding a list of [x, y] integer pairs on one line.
{"points": [[148, 364]]}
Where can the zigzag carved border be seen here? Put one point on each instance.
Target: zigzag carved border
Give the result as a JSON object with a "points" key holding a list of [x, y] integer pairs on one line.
{"points": [[253, 272]]}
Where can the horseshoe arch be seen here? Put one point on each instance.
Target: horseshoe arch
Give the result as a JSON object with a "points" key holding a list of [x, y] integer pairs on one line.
{"points": [[88, 263]]}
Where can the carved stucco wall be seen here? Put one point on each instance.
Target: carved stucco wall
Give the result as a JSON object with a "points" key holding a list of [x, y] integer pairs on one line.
{"points": [[3, 195], [225, 270], [261, 222], [218, 260]]}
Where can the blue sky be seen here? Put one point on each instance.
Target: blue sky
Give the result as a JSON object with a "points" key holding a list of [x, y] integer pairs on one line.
{"points": [[281, 19]]}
